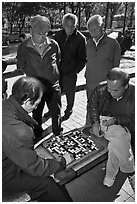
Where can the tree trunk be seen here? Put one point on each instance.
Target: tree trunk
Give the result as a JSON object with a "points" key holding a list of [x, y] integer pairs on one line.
{"points": [[79, 14], [124, 23], [106, 16]]}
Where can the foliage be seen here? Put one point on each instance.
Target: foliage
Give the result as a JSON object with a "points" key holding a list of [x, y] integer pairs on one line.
{"points": [[16, 12]]}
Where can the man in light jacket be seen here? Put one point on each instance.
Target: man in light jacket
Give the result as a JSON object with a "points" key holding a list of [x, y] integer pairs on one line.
{"points": [[103, 54]]}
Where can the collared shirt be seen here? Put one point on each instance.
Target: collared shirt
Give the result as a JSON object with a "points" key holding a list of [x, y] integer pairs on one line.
{"points": [[36, 65], [97, 42]]}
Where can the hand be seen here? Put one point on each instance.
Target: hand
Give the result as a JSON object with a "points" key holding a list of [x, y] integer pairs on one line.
{"points": [[69, 157], [108, 122], [4, 95], [62, 161], [96, 129]]}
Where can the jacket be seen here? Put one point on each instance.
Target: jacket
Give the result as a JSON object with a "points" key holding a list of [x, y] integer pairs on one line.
{"points": [[44, 67], [100, 59], [102, 103], [73, 51], [18, 152]]}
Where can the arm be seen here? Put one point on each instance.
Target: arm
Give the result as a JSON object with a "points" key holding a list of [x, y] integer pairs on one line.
{"points": [[20, 60], [58, 54], [81, 55], [22, 153], [93, 111], [117, 55]]}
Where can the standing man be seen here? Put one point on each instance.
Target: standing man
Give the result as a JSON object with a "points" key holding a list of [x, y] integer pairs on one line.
{"points": [[39, 56], [73, 58], [103, 53], [22, 169]]}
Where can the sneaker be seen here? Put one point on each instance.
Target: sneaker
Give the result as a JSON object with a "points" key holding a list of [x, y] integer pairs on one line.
{"points": [[108, 181], [67, 115], [132, 181], [65, 175], [46, 115]]}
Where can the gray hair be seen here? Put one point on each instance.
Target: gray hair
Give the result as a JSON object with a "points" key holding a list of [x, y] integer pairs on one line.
{"points": [[95, 20], [38, 22], [70, 16]]}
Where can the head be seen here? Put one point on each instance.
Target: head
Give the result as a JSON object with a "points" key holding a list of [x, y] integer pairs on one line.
{"points": [[117, 82], [22, 37], [95, 26], [40, 26], [69, 23], [28, 92]]}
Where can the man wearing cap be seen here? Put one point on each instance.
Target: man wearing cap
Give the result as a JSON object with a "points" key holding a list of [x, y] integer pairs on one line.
{"points": [[39, 56]]}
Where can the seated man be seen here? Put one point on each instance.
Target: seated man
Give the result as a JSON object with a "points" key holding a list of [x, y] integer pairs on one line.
{"points": [[114, 98], [22, 169]]}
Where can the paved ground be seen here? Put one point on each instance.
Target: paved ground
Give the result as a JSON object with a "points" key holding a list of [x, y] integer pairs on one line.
{"points": [[77, 120]]}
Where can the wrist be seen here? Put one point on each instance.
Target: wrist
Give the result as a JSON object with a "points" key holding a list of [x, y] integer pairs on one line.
{"points": [[114, 119]]}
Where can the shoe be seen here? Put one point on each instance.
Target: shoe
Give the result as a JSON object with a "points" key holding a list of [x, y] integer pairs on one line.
{"points": [[59, 132], [108, 181], [46, 115], [65, 175], [67, 115], [132, 181]]}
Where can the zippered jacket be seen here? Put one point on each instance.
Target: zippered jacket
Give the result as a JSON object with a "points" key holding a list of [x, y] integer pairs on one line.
{"points": [[102, 103], [73, 51], [18, 152], [44, 67], [100, 59]]}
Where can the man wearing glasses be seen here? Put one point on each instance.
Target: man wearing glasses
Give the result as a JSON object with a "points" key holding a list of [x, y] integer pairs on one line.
{"points": [[39, 57]]}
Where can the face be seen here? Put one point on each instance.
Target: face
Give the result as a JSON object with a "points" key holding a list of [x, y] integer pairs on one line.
{"points": [[115, 88], [69, 26], [95, 31], [29, 107], [39, 36]]}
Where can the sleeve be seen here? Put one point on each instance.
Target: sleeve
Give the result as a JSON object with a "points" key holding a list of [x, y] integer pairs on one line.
{"points": [[20, 60], [22, 153], [128, 119], [117, 54], [93, 107], [58, 54], [81, 55]]}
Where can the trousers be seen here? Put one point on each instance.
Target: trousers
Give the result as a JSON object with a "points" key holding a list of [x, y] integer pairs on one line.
{"points": [[53, 100], [88, 93], [42, 189], [68, 85], [120, 155]]}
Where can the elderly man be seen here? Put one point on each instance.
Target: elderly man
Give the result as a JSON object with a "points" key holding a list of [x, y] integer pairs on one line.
{"points": [[103, 53], [22, 169], [73, 58], [115, 99], [39, 56]]}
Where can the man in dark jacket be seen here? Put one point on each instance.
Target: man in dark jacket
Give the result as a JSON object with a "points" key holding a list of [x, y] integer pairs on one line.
{"points": [[22, 169], [114, 98], [39, 56], [73, 58]]}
